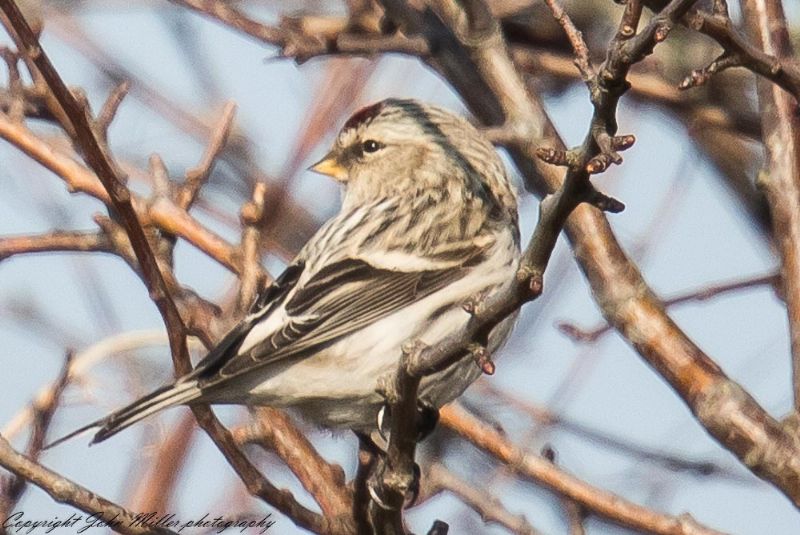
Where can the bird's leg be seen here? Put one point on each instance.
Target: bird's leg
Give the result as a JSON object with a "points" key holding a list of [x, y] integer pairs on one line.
{"points": [[426, 419], [369, 455]]}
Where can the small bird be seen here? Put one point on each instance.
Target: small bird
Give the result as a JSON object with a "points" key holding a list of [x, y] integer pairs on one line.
{"points": [[428, 222]]}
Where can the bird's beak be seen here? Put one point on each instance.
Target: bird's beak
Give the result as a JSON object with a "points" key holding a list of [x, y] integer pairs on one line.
{"points": [[330, 166]]}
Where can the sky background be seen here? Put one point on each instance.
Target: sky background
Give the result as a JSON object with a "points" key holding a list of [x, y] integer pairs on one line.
{"points": [[681, 226]]}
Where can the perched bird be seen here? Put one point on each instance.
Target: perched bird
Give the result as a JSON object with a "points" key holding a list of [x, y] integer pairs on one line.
{"points": [[428, 221]]}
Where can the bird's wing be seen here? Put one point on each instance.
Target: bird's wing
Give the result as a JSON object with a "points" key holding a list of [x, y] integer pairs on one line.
{"points": [[339, 299], [265, 304]]}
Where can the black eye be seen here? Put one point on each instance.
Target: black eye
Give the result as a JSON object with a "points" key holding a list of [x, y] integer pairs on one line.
{"points": [[371, 145]]}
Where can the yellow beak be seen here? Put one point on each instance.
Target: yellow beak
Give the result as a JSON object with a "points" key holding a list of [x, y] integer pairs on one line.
{"points": [[330, 166]]}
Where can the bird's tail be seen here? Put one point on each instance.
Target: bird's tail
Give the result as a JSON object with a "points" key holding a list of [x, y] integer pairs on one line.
{"points": [[166, 396]]}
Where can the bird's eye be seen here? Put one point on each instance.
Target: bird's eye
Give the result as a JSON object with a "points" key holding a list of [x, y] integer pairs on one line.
{"points": [[371, 145]]}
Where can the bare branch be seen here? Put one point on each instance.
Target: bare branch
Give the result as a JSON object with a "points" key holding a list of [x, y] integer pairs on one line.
{"points": [[157, 482], [273, 430], [438, 479], [63, 490], [780, 179], [582, 60], [253, 276], [703, 294], [543, 472], [574, 513], [110, 108], [57, 241], [42, 416], [772, 65], [163, 212], [197, 177]]}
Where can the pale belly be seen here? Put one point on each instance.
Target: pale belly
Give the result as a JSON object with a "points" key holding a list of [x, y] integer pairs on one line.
{"points": [[337, 386]]}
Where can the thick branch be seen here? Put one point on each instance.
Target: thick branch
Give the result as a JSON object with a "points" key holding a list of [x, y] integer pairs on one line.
{"points": [[780, 180], [95, 152], [727, 412], [273, 430]]}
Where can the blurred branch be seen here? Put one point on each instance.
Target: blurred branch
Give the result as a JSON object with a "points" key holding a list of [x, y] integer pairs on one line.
{"points": [[63, 490], [728, 412], [438, 479], [273, 430], [573, 512], [96, 154], [253, 277], [42, 416], [56, 241], [780, 179], [163, 212], [197, 177], [307, 37], [158, 481], [110, 108], [595, 501], [704, 294], [549, 418]]}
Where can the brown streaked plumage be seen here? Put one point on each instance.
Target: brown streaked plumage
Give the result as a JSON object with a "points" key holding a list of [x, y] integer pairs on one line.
{"points": [[428, 221]]}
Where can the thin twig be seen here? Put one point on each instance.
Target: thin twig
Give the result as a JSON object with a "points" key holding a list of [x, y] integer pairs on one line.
{"points": [[774, 66], [56, 241], [538, 469], [197, 176], [252, 216], [492, 511], [110, 108], [42, 417], [573, 512], [64, 490], [703, 294], [582, 59]]}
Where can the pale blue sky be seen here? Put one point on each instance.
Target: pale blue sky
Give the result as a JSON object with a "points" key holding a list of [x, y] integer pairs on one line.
{"points": [[704, 240]]}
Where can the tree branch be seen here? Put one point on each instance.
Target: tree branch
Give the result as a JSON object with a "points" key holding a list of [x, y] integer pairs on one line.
{"points": [[598, 502], [780, 179], [56, 241], [96, 154], [63, 490], [491, 510], [731, 415]]}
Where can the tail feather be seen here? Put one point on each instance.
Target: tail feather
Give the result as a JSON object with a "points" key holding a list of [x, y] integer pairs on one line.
{"points": [[156, 401]]}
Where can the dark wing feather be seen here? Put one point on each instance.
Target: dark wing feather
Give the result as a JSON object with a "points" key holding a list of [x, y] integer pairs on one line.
{"points": [[340, 299], [265, 303]]}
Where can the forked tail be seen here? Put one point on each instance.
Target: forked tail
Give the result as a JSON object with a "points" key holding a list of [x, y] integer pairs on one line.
{"points": [[164, 397]]}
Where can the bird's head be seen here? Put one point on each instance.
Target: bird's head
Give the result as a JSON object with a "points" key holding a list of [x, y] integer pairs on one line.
{"points": [[399, 147]]}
